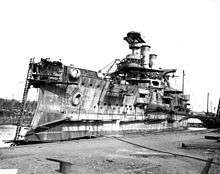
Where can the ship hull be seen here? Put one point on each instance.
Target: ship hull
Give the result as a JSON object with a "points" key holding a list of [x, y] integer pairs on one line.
{"points": [[73, 129], [97, 114]]}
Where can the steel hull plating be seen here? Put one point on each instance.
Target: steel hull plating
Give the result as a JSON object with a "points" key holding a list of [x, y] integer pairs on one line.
{"points": [[67, 130]]}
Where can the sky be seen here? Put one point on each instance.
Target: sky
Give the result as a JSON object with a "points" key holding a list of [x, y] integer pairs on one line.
{"points": [[185, 34]]}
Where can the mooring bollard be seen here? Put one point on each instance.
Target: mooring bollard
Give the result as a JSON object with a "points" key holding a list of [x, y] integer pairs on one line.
{"points": [[65, 167]]}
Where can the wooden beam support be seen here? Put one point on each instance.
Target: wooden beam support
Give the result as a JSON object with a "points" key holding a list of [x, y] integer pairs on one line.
{"points": [[65, 167]]}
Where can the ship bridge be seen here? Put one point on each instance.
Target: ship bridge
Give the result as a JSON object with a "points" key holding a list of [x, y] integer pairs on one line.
{"points": [[134, 70]]}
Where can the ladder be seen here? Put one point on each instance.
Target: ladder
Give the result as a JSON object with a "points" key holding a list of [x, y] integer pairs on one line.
{"points": [[24, 99]]}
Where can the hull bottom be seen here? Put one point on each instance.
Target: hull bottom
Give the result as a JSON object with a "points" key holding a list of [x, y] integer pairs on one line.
{"points": [[68, 130]]}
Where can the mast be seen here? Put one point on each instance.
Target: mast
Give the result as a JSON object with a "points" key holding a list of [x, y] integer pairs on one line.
{"points": [[218, 111], [183, 79], [138, 48], [207, 102]]}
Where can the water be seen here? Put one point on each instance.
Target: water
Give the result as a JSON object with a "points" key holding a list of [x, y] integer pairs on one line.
{"points": [[7, 132]]}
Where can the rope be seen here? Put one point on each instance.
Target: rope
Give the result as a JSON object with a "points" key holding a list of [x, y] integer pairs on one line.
{"points": [[160, 151]]}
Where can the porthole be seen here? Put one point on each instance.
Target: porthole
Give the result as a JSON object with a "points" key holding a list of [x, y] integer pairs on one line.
{"points": [[76, 99]]}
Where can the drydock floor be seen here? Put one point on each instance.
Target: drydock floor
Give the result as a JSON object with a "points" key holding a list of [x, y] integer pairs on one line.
{"points": [[110, 155]]}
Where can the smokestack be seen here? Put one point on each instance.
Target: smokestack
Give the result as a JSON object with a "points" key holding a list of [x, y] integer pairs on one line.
{"points": [[151, 57], [144, 50]]}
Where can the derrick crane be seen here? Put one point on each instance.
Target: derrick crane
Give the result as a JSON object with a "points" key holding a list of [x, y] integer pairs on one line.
{"points": [[111, 64], [107, 73]]}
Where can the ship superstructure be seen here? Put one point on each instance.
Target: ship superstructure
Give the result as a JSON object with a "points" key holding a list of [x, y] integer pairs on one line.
{"points": [[75, 102]]}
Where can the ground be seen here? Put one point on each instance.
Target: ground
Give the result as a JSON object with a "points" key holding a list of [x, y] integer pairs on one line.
{"points": [[109, 155]]}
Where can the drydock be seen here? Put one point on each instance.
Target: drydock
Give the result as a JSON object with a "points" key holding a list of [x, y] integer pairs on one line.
{"points": [[75, 102]]}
